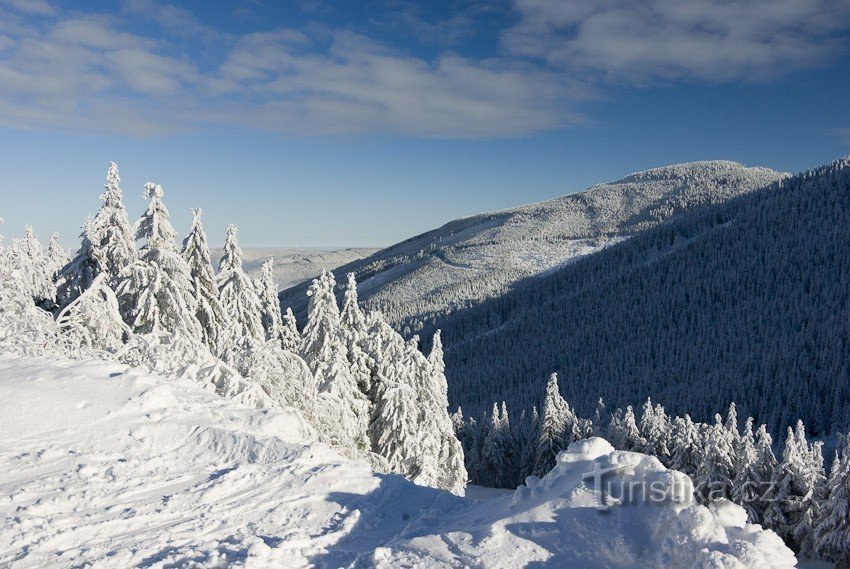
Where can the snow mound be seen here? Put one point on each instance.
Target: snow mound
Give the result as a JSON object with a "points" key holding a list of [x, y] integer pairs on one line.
{"points": [[105, 466]]}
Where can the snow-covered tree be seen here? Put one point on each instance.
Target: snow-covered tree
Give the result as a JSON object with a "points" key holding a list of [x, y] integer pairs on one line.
{"points": [[111, 234], [239, 300], [92, 323], [715, 471], [290, 338], [269, 303], [395, 410], [553, 424], [832, 531], [685, 446], [155, 291], [208, 311], [790, 492], [284, 377], [754, 464], [654, 428], [57, 256], [321, 336], [498, 453], [27, 257], [451, 472], [79, 273], [353, 333]]}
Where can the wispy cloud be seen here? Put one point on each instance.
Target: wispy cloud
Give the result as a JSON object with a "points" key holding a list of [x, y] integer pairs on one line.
{"points": [[83, 70], [704, 40]]}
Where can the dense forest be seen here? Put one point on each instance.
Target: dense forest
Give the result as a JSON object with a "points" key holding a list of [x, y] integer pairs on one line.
{"points": [[747, 301]]}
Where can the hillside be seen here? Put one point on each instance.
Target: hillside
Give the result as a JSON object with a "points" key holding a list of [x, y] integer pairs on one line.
{"points": [[295, 265], [748, 301], [103, 465], [475, 258]]}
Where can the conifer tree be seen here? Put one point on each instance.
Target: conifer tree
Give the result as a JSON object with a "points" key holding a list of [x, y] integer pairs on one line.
{"points": [[789, 491], [111, 233], [553, 424], [716, 469], [290, 338], [270, 303], [353, 329], [92, 324], [78, 274], [497, 451], [685, 446], [832, 531], [752, 471], [57, 257], [155, 291], [239, 300], [209, 311], [27, 257]]}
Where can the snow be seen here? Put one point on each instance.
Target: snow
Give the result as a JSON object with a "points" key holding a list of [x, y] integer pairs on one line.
{"points": [[104, 465]]}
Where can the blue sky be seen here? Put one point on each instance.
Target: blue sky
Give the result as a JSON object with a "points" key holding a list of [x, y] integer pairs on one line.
{"points": [[313, 123]]}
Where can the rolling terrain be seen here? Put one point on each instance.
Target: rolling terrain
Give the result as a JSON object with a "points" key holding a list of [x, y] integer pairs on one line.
{"points": [[472, 259]]}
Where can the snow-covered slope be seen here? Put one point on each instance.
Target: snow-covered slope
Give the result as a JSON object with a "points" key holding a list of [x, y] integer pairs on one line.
{"points": [[747, 301], [104, 466], [476, 258], [295, 265]]}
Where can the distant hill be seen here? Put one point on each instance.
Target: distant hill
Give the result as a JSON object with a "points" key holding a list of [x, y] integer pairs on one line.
{"points": [[746, 301], [295, 265], [479, 257]]}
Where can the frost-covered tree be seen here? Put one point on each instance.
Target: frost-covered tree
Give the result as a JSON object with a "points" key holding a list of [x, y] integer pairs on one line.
{"points": [[321, 336], [92, 323], [57, 256], [155, 291], [290, 338], [654, 428], [450, 466], [353, 333], [790, 491], [717, 468], [239, 300], [753, 470], [24, 328], [27, 257], [498, 453], [208, 311], [686, 446], [553, 424], [284, 377], [832, 531], [395, 410], [269, 303], [111, 234], [79, 273]]}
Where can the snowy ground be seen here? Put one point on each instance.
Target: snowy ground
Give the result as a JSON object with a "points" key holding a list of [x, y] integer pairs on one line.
{"points": [[104, 465]]}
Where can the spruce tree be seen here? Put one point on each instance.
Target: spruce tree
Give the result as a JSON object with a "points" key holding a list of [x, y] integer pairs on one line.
{"points": [[239, 300], [111, 233], [717, 467], [553, 424], [270, 303], [209, 311], [155, 291], [290, 339], [57, 257], [832, 531], [78, 274]]}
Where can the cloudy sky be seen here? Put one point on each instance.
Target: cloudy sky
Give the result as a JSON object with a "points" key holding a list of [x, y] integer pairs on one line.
{"points": [[310, 122]]}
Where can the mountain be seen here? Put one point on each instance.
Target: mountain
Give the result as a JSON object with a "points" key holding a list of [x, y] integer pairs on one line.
{"points": [[294, 265], [103, 465], [746, 301], [475, 258]]}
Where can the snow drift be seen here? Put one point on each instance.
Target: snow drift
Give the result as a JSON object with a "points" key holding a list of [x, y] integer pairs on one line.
{"points": [[104, 465]]}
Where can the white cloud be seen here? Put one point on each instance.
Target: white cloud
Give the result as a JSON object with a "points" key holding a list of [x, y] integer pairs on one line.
{"points": [[87, 71], [705, 40]]}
